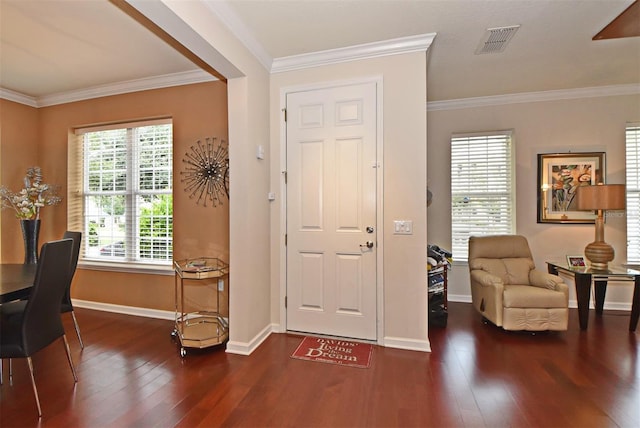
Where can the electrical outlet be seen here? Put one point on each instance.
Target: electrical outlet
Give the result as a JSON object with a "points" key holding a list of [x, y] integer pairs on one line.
{"points": [[402, 227], [221, 285]]}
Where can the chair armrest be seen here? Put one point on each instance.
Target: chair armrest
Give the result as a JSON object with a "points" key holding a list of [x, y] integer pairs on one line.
{"points": [[543, 279], [486, 279]]}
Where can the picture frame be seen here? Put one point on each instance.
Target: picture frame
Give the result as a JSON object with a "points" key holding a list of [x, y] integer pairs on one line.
{"points": [[576, 261], [559, 176]]}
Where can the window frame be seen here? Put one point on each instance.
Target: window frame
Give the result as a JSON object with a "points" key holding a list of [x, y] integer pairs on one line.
{"points": [[78, 192], [504, 177], [632, 181]]}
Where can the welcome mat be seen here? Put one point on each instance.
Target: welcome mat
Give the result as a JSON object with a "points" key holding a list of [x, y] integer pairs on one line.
{"points": [[334, 351]]}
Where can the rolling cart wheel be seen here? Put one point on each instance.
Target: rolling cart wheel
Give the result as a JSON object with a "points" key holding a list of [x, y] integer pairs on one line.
{"points": [[183, 352], [174, 333]]}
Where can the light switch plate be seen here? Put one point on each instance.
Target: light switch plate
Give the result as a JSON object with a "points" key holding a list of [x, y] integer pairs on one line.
{"points": [[402, 227]]}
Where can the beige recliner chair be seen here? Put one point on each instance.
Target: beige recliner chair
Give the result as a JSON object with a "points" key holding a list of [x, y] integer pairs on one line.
{"points": [[509, 291]]}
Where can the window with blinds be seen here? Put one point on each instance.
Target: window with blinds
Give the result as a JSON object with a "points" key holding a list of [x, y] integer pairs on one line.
{"points": [[482, 188], [633, 192], [121, 196]]}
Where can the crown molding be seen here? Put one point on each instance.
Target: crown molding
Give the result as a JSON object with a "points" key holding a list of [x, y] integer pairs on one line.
{"points": [[532, 97], [333, 56], [197, 76], [17, 97], [401, 45], [229, 18], [155, 82]]}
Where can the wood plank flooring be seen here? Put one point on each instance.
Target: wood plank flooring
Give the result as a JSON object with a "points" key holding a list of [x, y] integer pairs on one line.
{"points": [[131, 375]]}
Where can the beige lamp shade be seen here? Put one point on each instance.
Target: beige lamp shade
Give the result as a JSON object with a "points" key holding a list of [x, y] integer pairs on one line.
{"points": [[601, 197]]}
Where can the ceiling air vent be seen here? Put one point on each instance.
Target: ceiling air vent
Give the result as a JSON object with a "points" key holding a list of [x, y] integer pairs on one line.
{"points": [[495, 40]]}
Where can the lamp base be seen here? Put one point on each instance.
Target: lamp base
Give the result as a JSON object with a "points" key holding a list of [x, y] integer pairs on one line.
{"points": [[599, 253]]}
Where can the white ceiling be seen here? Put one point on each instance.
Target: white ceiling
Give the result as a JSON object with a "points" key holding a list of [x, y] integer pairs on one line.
{"points": [[56, 46]]}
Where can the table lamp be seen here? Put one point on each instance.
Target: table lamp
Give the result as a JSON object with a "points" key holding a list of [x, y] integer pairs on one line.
{"points": [[600, 198]]}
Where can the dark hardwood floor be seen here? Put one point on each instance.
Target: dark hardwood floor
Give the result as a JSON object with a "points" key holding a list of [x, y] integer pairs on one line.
{"points": [[131, 375]]}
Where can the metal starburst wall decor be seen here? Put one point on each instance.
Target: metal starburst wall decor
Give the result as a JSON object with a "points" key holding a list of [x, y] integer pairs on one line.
{"points": [[206, 174]]}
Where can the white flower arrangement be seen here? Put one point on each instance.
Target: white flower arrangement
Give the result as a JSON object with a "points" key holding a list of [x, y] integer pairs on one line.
{"points": [[35, 195]]}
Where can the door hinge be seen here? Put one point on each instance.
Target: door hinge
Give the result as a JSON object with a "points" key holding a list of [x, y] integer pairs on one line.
{"points": [[285, 239], [284, 174], [285, 302], [285, 114]]}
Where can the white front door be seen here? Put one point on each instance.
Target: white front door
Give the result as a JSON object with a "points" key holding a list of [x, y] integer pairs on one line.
{"points": [[331, 211]]}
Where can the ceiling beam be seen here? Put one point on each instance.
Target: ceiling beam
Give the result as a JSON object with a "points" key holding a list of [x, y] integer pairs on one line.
{"points": [[627, 24], [162, 34]]}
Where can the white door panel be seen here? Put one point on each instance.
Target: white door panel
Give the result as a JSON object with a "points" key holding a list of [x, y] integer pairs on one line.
{"points": [[331, 200]]}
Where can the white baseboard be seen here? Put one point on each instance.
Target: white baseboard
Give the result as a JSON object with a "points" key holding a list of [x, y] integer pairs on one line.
{"points": [[241, 348], [462, 298], [610, 306], [235, 347], [127, 310], [246, 348], [407, 344]]}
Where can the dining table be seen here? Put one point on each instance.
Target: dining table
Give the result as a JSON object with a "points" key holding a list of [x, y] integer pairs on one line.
{"points": [[16, 280]]}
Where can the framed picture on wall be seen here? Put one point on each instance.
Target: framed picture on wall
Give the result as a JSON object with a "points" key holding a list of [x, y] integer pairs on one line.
{"points": [[559, 177]]}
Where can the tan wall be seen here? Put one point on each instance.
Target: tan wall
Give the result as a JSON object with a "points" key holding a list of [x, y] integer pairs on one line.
{"points": [[404, 183], [580, 125], [18, 151], [198, 111], [249, 316]]}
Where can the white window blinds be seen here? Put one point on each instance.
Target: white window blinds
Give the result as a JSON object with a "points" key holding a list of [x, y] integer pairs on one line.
{"points": [[482, 187], [122, 195], [633, 192]]}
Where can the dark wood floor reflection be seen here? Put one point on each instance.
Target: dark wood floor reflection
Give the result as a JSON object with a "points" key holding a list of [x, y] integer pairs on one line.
{"points": [[131, 375]]}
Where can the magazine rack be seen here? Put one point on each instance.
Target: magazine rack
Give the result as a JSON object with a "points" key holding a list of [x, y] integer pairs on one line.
{"points": [[198, 324]]}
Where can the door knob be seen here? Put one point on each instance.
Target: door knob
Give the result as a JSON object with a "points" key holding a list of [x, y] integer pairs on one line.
{"points": [[369, 229], [369, 244]]}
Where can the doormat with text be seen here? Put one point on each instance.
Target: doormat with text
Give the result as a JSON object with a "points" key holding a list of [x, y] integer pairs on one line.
{"points": [[335, 351]]}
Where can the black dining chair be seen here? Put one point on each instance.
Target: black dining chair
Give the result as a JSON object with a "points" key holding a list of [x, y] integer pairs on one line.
{"points": [[67, 306], [28, 327]]}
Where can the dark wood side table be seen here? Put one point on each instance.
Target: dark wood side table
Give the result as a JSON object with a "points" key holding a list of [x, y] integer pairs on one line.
{"points": [[583, 277]]}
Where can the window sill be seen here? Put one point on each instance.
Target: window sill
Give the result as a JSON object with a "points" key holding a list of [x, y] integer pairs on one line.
{"points": [[148, 269]]}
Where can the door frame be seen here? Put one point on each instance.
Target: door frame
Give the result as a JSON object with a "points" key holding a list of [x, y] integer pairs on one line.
{"points": [[378, 80]]}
